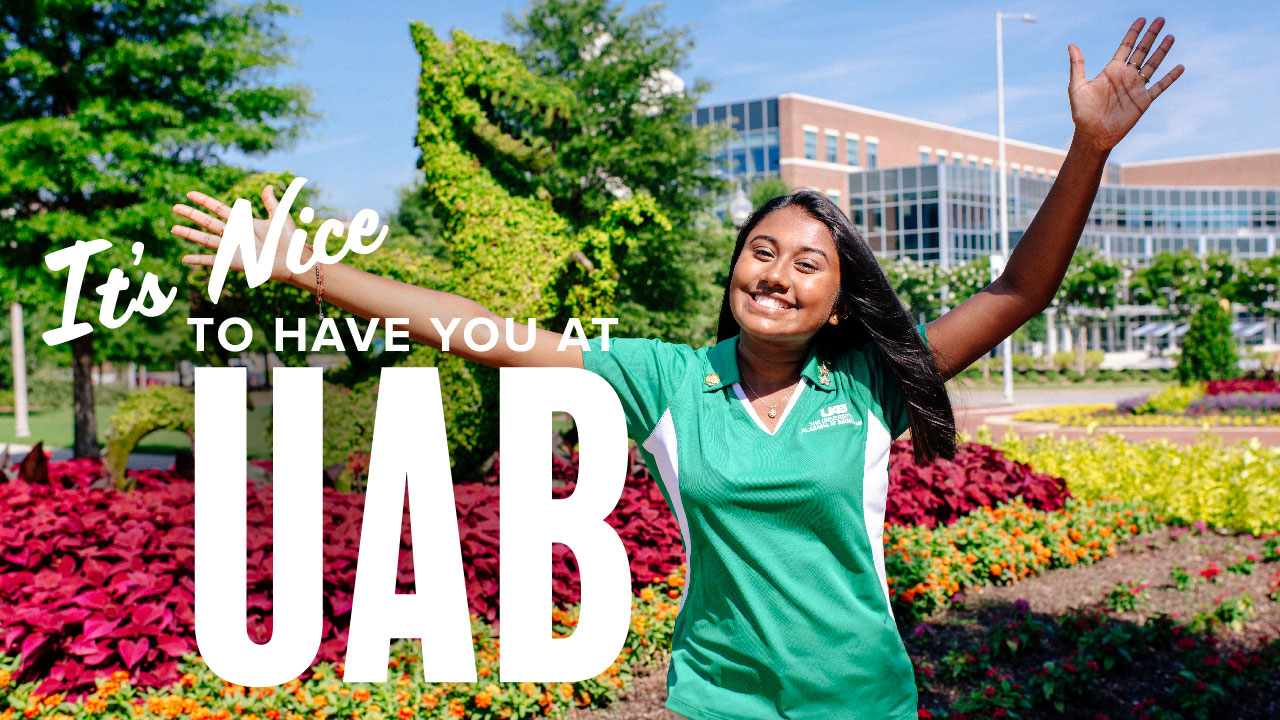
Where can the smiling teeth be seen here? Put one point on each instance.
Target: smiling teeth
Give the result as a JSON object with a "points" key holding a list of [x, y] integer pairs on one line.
{"points": [[770, 302]]}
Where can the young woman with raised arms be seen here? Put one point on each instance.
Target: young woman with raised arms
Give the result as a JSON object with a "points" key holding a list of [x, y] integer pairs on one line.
{"points": [[771, 447]]}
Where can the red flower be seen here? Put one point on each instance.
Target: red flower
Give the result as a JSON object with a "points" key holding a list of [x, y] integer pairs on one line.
{"points": [[1185, 643], [1211, 572], [924, 714], [1212, 660]]}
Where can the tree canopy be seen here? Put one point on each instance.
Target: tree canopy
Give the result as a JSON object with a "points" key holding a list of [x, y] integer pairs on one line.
{"points": [[108, 113]]}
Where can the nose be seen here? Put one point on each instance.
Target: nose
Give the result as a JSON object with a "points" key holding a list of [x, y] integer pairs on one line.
{"points": [[775, 274]]}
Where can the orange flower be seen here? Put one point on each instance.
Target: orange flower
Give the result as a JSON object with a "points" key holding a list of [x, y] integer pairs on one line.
{"points": [[360, 695], [996, 569], [673, 593], [1133, 529], [483, 671], [429, 701], [566, 691], [53, 699], [405, 713]]}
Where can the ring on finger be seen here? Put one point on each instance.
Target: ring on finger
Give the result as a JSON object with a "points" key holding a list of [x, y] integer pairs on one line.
{"points": [[1145, 77]]}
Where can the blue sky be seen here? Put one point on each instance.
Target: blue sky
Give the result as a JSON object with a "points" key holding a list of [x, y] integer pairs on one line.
{"points": [[934, 61]]}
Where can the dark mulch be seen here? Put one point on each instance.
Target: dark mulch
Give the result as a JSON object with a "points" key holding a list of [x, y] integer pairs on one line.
{"points": [[1146, 558]]}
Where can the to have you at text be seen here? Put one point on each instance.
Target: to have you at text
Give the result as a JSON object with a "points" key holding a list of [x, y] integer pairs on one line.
{"points": [[409, 454]]}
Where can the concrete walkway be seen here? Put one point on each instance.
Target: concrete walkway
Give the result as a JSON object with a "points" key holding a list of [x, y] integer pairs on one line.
{"points": [[137, 461]]}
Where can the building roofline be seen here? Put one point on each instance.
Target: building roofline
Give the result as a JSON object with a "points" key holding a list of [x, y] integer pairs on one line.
{"points": [[1198, 158], [921, 123]]}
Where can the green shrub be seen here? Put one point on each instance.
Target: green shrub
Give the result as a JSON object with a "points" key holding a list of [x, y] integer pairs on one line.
{"points": [[1223, 486], [49, 387], [1208, 348], [1025, 361], [6, 398]]}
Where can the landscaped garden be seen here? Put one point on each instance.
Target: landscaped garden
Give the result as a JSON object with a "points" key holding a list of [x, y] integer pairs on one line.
{"points": [[1030, 578], [1248, 401]]}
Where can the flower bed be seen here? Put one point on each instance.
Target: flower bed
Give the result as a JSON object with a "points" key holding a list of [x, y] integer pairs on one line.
{"points": [[1025, 663], [1247, 402], [96, 580], [1236, 487], [1243, 385], [1104, 415], [198, 694], [979, 476], [927, 567]]}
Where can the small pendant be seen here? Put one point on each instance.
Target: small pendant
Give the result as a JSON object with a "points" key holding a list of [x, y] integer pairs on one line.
{"points": [[773, 412]]}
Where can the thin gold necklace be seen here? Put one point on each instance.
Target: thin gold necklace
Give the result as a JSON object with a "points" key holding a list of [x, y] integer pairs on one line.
{"points": [[773, 409]]}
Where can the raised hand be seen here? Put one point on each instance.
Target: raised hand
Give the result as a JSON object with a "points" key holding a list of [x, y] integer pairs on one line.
{"points": [[1107, 107], [215, 224]]}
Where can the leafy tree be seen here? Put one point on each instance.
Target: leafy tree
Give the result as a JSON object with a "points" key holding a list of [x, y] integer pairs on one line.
{"points": [[1258, 285], [766, 189], [1088, 290], [918, 286], [1180, 281], [108, 111], [630, 134], [1208, 348]]}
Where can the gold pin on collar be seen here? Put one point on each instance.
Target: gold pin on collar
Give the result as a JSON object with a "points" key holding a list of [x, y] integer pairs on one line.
{"points": [[824, 373], [712, 379]]}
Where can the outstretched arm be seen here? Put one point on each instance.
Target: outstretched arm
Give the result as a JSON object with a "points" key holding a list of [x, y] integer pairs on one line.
{"points": [[370, 296], [1104, 110]]}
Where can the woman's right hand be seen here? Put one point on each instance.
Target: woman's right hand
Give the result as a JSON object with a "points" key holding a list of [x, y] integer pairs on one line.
{"points": [[215, 224]]}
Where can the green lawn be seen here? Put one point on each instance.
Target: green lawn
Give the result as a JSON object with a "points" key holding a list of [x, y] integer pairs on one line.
{"points": [[54, 428]]}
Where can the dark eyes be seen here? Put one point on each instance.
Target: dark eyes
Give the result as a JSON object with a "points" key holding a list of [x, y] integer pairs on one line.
{"points": [[765, 254]]}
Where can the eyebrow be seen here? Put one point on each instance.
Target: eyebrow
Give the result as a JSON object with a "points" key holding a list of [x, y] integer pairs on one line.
{"points": [[806, 248]]}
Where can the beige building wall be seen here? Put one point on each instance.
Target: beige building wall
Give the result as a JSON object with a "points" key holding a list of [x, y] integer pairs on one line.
{"points": [[1251, 169]]}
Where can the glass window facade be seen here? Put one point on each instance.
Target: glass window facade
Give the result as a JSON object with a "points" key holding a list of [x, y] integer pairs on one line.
{"points": [[833, 148], [851, 150], [753, 152], [873, 149], [811, 144], [948, 213]]}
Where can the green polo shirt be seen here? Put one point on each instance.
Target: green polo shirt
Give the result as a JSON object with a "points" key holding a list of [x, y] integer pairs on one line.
{"points": [[786, 612]]}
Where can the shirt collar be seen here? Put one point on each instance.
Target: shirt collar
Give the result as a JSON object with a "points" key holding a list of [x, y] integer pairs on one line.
{"points": [[721, 368]]}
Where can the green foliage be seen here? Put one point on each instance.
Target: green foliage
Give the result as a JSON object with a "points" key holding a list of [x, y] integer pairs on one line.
{"points": [[1209, 347], [489, 131], [919, 286], [1092, 359], [1235, 487], [766, 189], [108, 111], [163, 407], [629, 136], [1258, 284]]}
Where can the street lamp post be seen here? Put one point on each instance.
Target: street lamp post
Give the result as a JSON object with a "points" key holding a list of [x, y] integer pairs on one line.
{"points": [[740, 208], [1006, 346]]}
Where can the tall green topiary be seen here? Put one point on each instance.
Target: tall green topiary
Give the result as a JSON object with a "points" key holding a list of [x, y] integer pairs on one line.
{"points": [[1208, 348]]}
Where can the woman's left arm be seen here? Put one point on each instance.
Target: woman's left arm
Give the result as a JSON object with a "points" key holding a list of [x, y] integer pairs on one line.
{"points": [[1104, 110]]}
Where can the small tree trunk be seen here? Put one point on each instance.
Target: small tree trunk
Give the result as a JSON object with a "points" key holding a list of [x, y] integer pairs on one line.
{"points": [[86, 430]]}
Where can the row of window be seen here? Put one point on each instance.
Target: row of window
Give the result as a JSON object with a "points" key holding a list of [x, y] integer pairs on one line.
{"points": [[929, 155], [741, 116], [831, 148]]}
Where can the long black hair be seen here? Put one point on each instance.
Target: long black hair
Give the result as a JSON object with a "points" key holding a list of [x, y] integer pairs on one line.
{"points": [[873, 313]]}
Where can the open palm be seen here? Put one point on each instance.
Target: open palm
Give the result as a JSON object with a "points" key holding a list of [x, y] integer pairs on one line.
{"points": [[1107, 107]]}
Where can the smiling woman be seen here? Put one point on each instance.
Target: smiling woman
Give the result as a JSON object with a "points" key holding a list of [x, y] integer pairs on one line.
{"points": [[786, 611]]}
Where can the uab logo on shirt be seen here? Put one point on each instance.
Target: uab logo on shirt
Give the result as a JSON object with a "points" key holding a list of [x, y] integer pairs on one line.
{"points": [[831, 416]]}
